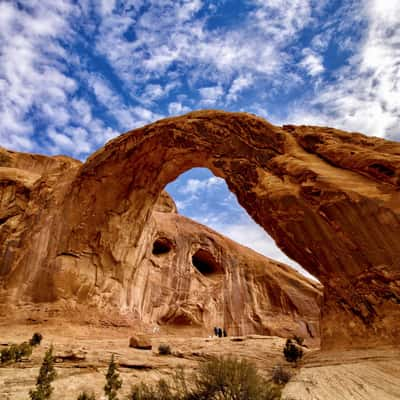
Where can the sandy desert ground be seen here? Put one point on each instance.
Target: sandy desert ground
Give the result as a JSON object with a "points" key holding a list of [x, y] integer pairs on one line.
{"points": [[356, 374]]}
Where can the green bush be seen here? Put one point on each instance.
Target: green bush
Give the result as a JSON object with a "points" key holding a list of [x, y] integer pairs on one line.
{"points": [[7, 354], [230, 378], [159, 391], [46, 376], [292, 351], [36, 339], [16, 352], [221, 378], [113, 383], [86, 396], [22, 350], [164, 349]]}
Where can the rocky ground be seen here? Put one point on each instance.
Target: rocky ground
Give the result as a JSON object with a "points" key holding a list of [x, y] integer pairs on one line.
{"points": [[84, 352]]}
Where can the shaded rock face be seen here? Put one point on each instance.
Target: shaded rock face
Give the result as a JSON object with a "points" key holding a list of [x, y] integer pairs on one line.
{"points": [[192, 277], [330, 199]]}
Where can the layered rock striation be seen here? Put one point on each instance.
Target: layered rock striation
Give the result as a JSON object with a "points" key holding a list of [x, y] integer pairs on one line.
{"points": [[330, 199], [186, 277], [190, 276]]}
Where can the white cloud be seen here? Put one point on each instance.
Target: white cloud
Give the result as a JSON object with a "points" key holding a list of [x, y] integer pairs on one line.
{"points": [[177, 108], [35, 85], [28, 69], [366, 95], [238, 84], [312, 63], [167, 34], [107, 6], [188, 9], [282, 19], [128, 117], [194, 186], [210, 95]]}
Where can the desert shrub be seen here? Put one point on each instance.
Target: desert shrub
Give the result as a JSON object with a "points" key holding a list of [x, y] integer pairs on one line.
{"points": [[46, 376], [113, 382], [36, 339], [221, 378], [158, 391], [86, 396], [7, 354], [298, 339], [15, 352], [292, 351], [280, 376], [22, 350], [164, 349], [230, 378]]}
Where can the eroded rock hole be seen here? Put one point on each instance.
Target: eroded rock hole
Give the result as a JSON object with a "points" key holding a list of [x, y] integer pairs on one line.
{"points": [[382, 169], [205, 262], [162, 246]]}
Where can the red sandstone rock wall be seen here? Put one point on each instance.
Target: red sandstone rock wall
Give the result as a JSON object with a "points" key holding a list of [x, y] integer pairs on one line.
{"points": [[225, 285]]}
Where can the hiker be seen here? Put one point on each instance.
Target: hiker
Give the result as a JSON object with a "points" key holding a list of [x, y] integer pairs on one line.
{"points": [[224, 333], [215, 331], [219, 332]]}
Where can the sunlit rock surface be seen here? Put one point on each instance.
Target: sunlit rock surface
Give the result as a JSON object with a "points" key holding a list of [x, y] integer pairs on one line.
{"points": [[79, 235]]}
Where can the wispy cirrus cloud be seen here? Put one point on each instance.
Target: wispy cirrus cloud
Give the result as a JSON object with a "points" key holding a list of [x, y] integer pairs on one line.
{"points": [[41, 109], [365, 94]]}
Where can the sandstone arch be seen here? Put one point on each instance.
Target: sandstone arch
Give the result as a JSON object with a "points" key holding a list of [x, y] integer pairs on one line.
{"points": [[330, 199], [317, 191]]}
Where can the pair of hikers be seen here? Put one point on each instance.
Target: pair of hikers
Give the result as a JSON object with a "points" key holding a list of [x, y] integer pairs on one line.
{"points": [[220, 332]]}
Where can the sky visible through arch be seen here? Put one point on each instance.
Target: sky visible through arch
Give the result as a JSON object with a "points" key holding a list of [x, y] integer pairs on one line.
{"points": [[74, 74], [202, 196]]}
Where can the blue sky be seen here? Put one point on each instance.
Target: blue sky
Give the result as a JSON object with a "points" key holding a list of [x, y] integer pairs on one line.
{"points": [[76, 74]]}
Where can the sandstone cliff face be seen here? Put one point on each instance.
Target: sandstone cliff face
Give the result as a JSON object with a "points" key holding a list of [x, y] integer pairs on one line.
{"points": [[191, 276], [330, 199], [186, 276]]}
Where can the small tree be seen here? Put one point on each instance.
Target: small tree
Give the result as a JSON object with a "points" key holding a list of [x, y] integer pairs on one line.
{"points": [[292, 352], [36, 339], [113, 383], [47, 374]]}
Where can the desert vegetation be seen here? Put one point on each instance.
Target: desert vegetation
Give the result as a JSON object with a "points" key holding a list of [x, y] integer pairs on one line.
{"points": [[224, 378], [46, 376], [292, 351], [164, 349], [16, 352], [220, 378], [113, 382]]}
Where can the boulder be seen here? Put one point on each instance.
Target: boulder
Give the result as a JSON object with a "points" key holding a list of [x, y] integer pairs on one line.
{"points": [[141, 342]]}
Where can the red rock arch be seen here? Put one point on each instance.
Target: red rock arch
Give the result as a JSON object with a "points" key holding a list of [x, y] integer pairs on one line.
{"points": [[330, 199], [324, 195]]}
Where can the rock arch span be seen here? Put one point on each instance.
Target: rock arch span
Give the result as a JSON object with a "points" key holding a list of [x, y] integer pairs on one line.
{"points": [[330, 199]]}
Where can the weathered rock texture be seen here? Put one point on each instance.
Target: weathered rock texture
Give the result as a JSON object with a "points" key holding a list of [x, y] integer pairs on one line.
{"points": [[330, 199], [190, 276], [186, 275]]}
